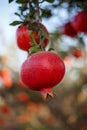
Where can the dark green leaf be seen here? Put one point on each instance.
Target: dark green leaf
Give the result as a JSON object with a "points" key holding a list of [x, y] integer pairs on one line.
{"points": [[16, 23], [46, 13], [20, 1], [23, 7], [10, 1], [43, 33], [17, 14], [34, 1], [34, 49], [50, 1], [51, 49]]}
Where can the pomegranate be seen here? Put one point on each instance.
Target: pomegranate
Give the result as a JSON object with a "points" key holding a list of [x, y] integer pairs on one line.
{"points": [[5, 109], [68, 30], [41, 71], [24, 39], [79, 22], [78, 53], [22, 97]]}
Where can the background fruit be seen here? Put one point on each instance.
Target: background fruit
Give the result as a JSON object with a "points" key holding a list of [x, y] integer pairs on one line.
{"points": [[68, 30], [77, 53], [5, 109], [22, 97], [79, 22]]}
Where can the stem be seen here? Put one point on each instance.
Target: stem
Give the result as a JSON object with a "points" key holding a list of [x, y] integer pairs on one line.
{"points": [[38, 11], [31, 10], [33, 42], [41, 44]]}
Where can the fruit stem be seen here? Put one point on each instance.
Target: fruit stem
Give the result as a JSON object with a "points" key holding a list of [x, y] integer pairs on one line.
{"points": [[38, 11], [33, 42]]}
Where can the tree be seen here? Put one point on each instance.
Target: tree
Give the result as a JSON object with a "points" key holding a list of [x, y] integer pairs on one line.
{"points": [[68, 110]]}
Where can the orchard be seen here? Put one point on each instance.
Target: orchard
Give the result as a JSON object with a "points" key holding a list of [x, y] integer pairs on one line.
{"points": [[43, 71]]}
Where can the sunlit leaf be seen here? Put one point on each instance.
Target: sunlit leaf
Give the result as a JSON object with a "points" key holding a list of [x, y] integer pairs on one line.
{"points": [[16, 23]]}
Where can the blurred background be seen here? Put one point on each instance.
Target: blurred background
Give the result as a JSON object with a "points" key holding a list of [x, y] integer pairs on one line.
{"points": [[23, 109]]}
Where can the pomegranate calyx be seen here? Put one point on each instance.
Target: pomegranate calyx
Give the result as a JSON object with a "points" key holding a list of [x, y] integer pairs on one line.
{"points": [[47, 93]]}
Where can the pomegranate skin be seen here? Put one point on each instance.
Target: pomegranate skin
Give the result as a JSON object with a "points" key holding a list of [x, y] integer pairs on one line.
{"points": [[68, 30], [79, 22], [23, 37], [42, 70]]}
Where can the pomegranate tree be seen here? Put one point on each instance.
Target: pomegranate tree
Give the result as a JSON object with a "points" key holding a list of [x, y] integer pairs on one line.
{"points": [[42, 71]]}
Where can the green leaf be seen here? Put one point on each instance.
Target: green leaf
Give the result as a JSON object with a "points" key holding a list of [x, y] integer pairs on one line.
{"points": [[10, 1], [34, 49], [20, 1], [51, 49], [14, 23], [17, 14], [50, 1], [43, 33], [46, 13], [33, 42]]}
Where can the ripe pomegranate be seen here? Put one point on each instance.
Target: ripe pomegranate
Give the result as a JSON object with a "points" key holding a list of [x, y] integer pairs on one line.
{"points": [[41, 71], [79, 22], [22, 97], [5, 109], [78, 53], [68, 30], [2, 121], [24, 40]]}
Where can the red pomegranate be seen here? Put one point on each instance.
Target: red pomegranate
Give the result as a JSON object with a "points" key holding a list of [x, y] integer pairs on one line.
{"points": [[42, 71], [5, 109], [78, 53], [68, 30], [79, 22], [23, 37]]}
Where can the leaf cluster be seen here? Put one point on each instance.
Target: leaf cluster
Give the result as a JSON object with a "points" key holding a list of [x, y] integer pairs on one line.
{"points": [[35, 10]]}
